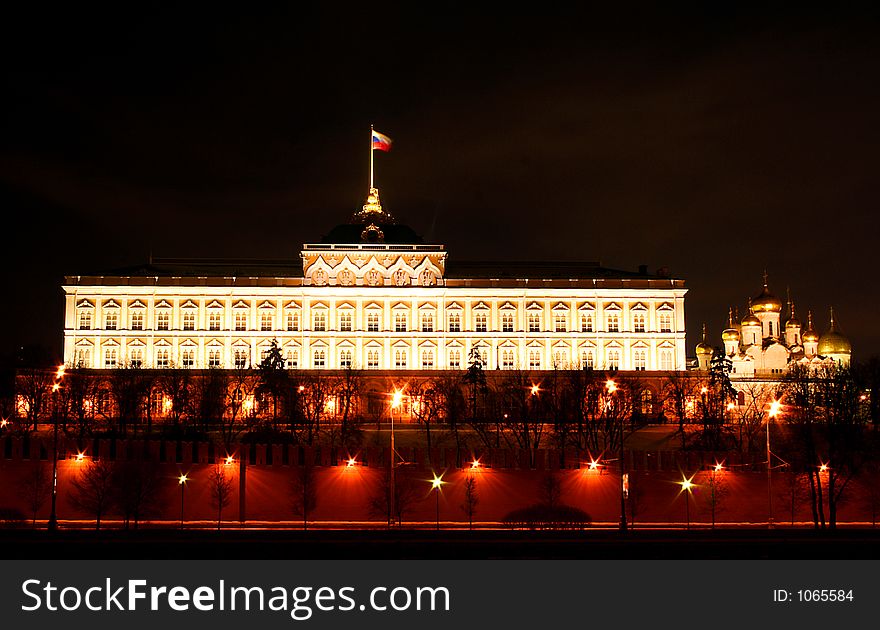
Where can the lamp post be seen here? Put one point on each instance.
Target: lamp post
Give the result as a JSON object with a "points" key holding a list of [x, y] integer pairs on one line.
{"points": [[181, 481], [775, 406], [436, 483], [611, 388], [686, 486], [53, 515], [396, 400]]}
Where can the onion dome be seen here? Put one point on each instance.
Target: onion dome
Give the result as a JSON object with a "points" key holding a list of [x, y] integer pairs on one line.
{"points": [[704, 348], [810, 335], [750, 319], [731, 333], [832, 342], [766, 302], [793, 322]]}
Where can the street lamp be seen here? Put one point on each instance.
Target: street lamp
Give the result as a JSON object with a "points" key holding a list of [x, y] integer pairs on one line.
{"points": [[686, 487], [436, 484], [53, 515], [611, 388], [181, 481], [396, 401], [775, 408]]}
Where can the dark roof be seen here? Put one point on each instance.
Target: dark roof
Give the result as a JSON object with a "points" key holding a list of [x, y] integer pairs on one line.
{"points": [[209, 267], [393, 233], [541, 270]]}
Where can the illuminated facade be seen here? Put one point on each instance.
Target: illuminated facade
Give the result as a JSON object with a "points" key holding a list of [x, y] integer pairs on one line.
{"points": [[761, 347], [371, 295]]}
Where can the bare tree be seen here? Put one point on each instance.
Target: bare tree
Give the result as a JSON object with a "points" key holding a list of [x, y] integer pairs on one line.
{"points": [[93, 489], [176, 384], [716, 483], [137, 484], [34, 387], [680, 395], [304, 492], [550, 490], [405, 494], [209, 400], [221, 491], [471, 500], [524, 424], [130, 386], [35, 487]]}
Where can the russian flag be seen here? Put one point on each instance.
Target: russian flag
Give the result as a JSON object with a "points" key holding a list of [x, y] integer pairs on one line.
{"points": [[381, 141]]}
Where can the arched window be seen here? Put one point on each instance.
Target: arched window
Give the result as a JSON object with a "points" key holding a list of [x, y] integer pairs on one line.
{"points": [[163, 358], [587, 359], [292, 320], [189, 320], [586, 322], [293, 358], [613, 322], [560, 322], [214, 320], [454, 359], [266, 322], [320, 321], [372, 358], [481, 322], [640, 360], [241, 358], [110, 358], [427, 322], [137, 358], [666, 361], [454, 322], [163, 320], [534, 359], [84, 358], [188, 358], [614, 359], [346, 319], [372, 321], [111, 319], [345, 359], [534, 322], [400, 359], [507, 322], [137, 320], [213, 358], [665, 322], [427, 359], [507, 360], [320, 358], [638, 322], [400, 322], [85, 319]]}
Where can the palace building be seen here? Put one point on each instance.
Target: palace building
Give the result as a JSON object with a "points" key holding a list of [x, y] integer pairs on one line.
{"points": [[372, 295], [761, 347]]}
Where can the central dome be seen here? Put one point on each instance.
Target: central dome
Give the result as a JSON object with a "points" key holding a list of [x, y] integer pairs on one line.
{"points": [[372, 224], [766, 302]]}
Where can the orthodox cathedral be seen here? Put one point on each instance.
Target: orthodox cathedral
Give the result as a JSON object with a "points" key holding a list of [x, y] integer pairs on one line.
{"points": [[760, 346]]}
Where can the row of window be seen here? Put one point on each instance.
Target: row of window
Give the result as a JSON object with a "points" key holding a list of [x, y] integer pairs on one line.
{"points": [[560, 321], [241, 358]]}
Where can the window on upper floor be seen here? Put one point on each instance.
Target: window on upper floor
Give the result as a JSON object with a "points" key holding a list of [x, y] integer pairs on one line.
{"points": [[639, 322], [372, 359], [111, 319], [400, 358], [534, 322], [560, 322], [320, 358], [241, 357], [665, 322], [640, 360], [400, 322], [292, 320], [214, 320], [560, 360], [85, 319], [137, 358], [481, 322], [241, 321], [345, 359], [189, 320], [587, 359], [507, 322], [666, 363], [213, 358], [372, 321], [613, 359], [163, 320], [319, 320], [345, 321], [612, 321], [267, 321], [534, 359], [188, 358], [110, 358], [454, 322], [293, 358], [427, 322], [137, 320], [586, 322]]}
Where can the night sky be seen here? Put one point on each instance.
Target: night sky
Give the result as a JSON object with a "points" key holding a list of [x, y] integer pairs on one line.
{"points": [[716, 145]]}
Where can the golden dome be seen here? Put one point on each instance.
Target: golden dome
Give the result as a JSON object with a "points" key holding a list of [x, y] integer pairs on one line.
{"points": [[810, 335], [751, 320], [704, 348], [766, 302], [832, 342], [731, 334]]}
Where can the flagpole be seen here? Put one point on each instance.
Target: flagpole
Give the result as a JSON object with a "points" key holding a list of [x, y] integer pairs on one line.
{"points": [[371, 157]]}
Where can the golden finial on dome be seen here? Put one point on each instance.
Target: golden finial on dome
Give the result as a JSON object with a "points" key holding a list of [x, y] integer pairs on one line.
{"points": [[731, 333], [373, 204], [703, 347], [810, 335], [832, 342]]}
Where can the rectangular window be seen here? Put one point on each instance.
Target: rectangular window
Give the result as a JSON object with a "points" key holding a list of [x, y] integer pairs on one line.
{"points": [[320, 358], [137, 320], [110, 320], [188, 358], [507, 322], [665, 322], [480, 322], [534, 359], [534, 322], [666, 360], [454, 359], [320, 320], [345, 321], [372, 358], [427, 359], [293, 359], [213, 358], [110, 358], [85, 320], [345, 359], [137, 358], [189, 320], [640, 361], [587, 359], [372, 322], [240, 358], [507, 360], [214, 321], [400, 359], [163, 359], [241, 321], [613, 359], [163, 321]]}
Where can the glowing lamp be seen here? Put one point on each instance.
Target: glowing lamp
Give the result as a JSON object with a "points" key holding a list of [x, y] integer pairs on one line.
{"points": [[775, 406], [56, 387], [80, 457], [302, 388], [230, 460], [3, 423], [704, 390], [535, 389], [475, 463], [182, 479], [611, 386], [686, 484], [396, 399], [436, 482], [718, 467], [594, 464], [351, 462], [823, 468], [60, 373]]}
